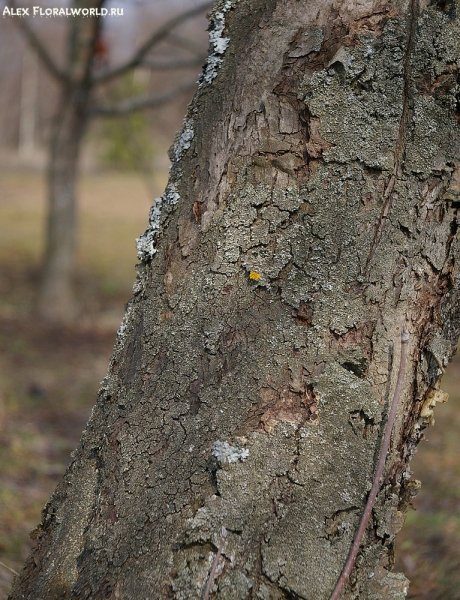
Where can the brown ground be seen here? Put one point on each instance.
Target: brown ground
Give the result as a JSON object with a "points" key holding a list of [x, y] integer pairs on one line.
{"points": [[49, 378]]}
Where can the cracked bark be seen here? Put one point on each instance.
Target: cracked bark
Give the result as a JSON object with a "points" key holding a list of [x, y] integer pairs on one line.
{"points": [[314, 110]]}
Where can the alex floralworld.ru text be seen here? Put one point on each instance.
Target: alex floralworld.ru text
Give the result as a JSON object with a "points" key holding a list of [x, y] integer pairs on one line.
{"points": [[38, 11]]}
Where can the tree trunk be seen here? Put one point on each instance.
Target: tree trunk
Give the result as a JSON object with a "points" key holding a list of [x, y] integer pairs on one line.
{"points": [[29, 92], [56, 296], [311, 214], [56, 299]]}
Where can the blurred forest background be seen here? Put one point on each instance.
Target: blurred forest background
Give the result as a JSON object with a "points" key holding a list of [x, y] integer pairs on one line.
{"points": [[50, 371]]}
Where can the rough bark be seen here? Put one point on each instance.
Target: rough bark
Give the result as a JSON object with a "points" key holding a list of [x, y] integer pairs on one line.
{"points": [[311, 213]]}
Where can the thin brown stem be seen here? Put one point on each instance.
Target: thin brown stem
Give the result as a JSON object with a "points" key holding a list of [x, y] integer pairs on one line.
{"points": [[167, 65], [9, 568], [379, 471], [402, 132], [133, 104], [214, 564]]}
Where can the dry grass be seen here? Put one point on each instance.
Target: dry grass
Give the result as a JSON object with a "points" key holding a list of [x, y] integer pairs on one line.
{"points": [[113, 211], [49, 377]]}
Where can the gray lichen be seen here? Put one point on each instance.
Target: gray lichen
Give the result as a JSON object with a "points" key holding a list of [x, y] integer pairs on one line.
{"points": [[163, 206], [217, 43], [358, 99], [146, 242], [224, 453], [125, 322], [185, 139]]}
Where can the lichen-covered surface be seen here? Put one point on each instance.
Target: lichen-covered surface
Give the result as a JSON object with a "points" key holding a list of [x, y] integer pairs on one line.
{"points": [[316, 187]]}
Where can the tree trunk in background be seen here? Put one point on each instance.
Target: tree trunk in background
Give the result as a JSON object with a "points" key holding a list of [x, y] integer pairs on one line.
{"points": [[29, 92], [56, 299], [311, 213]]}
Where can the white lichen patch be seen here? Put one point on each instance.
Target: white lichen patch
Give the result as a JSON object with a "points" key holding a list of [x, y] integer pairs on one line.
{"points": [[185, 139], [146, 242], [124, 324], [218, 44], [171, 196], [225, 453]]}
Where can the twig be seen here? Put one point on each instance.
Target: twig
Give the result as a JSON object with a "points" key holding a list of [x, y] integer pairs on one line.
{"points": [[91, 44], [9, 568], [40, 49], [378, 473], [214, 564], [181, 42], [132, 104], [155, 39], [180, 63], [400, 140]]}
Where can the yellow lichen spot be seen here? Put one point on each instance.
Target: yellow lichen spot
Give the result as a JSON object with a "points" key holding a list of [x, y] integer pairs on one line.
{"points": [[255, 276]]}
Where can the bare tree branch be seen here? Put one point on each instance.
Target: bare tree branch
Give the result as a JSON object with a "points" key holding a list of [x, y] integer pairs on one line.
{"points": [[148, 101], [40, 49], [155, 39], [179, 63], [92, 43], [181, 42]]}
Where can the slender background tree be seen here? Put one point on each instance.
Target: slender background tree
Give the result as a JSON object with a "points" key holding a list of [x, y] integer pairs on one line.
{"points": [[80, 77]]}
